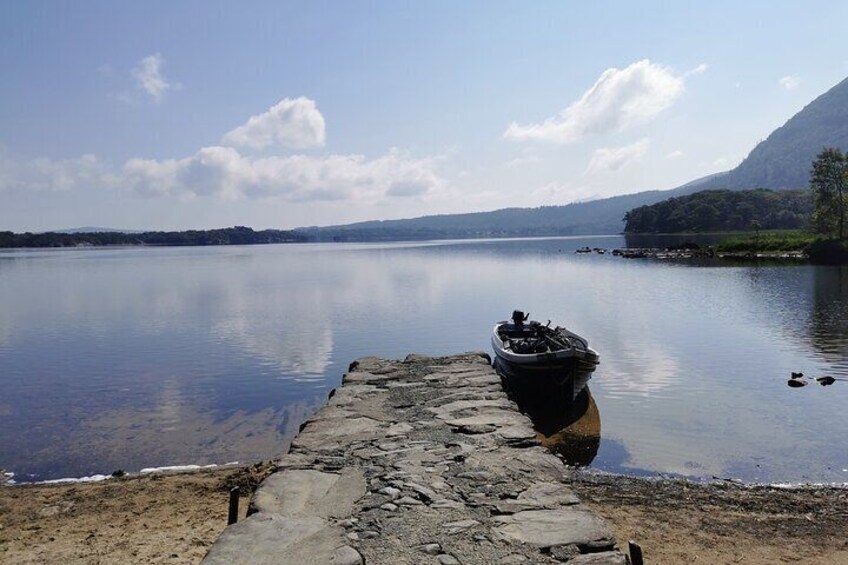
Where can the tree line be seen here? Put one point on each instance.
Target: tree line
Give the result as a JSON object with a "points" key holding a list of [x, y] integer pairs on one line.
{"points": [[238, 235], [723, 210]]}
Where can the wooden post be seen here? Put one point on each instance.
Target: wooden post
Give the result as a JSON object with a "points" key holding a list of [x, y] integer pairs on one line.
{"points": [[232, 516], [635, 553]]}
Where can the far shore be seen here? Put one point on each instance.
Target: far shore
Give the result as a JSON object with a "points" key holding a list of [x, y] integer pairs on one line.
{"points": [[175, 518]]}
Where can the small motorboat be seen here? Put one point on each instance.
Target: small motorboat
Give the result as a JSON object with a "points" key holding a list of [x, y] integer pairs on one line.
{"points": [[529, 346]]}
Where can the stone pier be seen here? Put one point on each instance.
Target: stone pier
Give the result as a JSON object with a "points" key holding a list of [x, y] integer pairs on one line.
{"points": [[420, 461]]}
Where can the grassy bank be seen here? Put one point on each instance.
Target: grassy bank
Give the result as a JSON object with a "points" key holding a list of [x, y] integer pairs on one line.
{"points": [[818, 250], [772, 240]]}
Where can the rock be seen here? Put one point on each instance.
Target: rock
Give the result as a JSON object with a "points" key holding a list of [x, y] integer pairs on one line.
{"points": [[565, 552], [417, 358], [474, 429], [409, 501], [391, 492], [423, 491], [490, 417], [296, 492], [430, 548], [513, 559], [548, 495], [368, 534], [266, 539], [347, 522], [324, 434], [389, 507], [364, 377], [445, 503], [518, 435], [447, 559], [549, 528], [479, 476], [346, 555], [604, 558], [399, 429]]}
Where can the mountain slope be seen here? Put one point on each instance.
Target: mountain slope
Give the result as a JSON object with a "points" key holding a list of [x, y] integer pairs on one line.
{"points": [[783, 159]]}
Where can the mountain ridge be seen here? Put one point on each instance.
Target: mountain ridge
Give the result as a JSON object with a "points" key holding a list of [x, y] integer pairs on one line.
{"points": [[781, 161]]}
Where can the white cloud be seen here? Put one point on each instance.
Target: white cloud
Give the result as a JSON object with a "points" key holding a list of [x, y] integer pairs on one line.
{"points": [[699, 70], [223, 172], [555, 193], [148, 75], [789, 82], [609, 159], [526, 158], [676, 154], [43, 174], [296, 124], [618, 99]]}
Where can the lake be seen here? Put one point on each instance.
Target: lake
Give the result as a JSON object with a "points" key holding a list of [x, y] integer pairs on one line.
{"points": [[128, 358]]}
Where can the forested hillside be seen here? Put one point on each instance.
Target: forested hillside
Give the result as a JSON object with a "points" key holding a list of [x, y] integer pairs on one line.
{"points": [[238, 235], [723, 210]]}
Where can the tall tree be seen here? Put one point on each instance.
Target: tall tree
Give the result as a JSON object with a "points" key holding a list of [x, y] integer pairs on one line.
{"points": [[829, 182]]}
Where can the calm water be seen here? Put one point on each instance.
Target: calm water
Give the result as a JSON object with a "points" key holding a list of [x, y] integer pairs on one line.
{"points": [[130, 358]]}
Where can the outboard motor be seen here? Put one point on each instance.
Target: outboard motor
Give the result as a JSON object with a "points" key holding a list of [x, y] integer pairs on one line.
{"points": [[519, 317]]}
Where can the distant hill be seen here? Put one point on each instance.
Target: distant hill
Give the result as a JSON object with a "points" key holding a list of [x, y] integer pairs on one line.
{"points": [[596, 217], [604, 216], [782, 161], [238, 235]]}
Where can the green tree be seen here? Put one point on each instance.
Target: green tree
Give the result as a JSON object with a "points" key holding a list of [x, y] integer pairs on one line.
{"points": [[829, 183]]}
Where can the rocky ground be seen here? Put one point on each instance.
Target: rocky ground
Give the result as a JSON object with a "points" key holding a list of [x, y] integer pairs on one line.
{"points": [[424, 461]]}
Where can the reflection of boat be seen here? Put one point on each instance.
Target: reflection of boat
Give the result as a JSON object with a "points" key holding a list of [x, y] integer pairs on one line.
{"points": [[533, 346], [573, 431], [564, 414]]}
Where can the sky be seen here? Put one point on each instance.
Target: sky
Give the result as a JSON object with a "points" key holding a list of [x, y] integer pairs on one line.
{"points": [[196, 115]]}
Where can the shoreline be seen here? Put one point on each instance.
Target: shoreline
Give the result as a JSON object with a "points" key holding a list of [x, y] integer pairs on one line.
{"points": [[176, 517], [171, 470], [167, 517]]}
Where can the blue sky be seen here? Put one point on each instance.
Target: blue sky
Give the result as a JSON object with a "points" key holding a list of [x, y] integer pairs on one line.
{"points": [[166, 115]]}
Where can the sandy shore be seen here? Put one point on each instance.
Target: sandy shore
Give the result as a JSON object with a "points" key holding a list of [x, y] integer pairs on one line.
{"points": [[677, 522], [175, 518], [161, 518]]}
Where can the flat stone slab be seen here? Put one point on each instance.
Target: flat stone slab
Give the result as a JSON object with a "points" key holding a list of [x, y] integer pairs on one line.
{"points": [[306, 492], [421, 461], [549, 528], [603, 558], [269, 539]]}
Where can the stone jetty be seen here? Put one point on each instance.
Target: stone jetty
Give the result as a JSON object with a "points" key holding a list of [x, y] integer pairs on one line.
{"points": [[421, 461]]}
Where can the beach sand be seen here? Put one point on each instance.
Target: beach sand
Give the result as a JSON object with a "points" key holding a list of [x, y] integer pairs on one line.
{"points": [[174, 518], [678, 522], [153, 518]]}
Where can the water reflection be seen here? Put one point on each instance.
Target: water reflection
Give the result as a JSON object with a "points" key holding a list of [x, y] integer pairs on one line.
{"points": [[828, 324], [125, 358], [564, 414]]}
